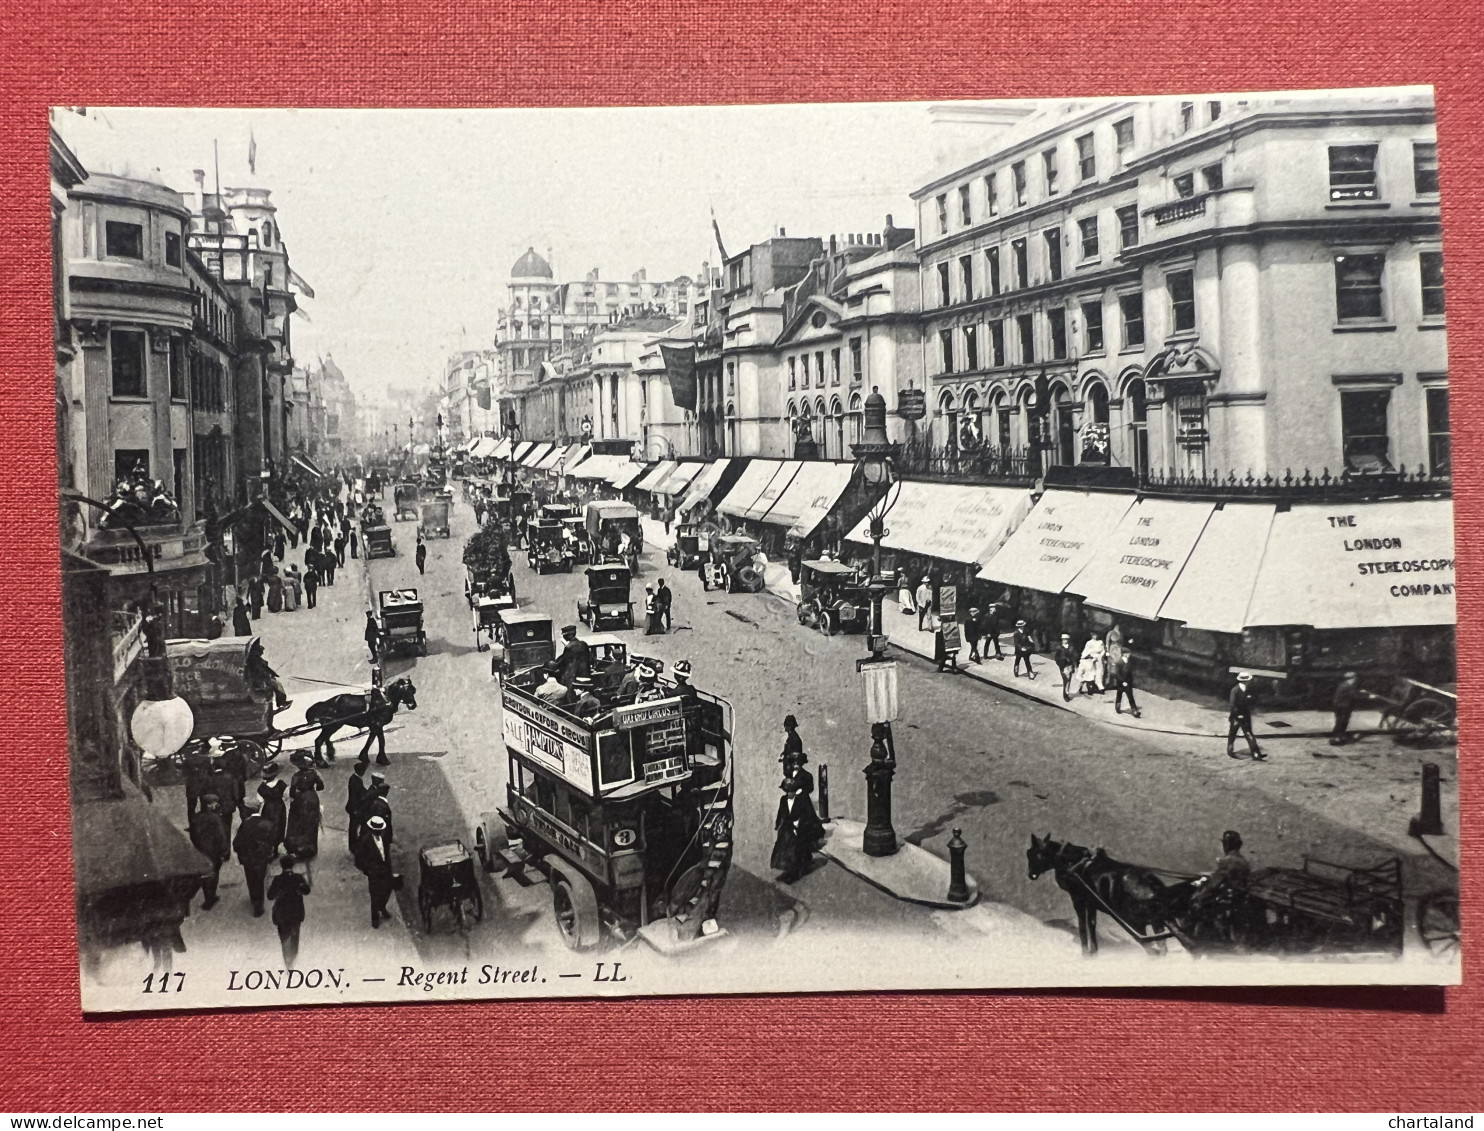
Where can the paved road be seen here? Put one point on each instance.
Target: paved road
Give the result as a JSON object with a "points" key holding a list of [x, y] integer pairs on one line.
{"points": [[971, 756]]}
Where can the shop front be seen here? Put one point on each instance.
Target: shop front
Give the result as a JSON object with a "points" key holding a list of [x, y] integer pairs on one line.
{"points": [[753, 481]]}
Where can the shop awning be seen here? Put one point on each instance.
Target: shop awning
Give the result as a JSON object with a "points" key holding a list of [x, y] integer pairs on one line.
{"points": [[551, 458], [125, 842], [656, 475], [814, 490], [770, 495], [572, 458], [520, 450], [535, 454], [705, 482], [502, 449], [626, 472], [950, 521], [1215, 588], [1057, 539], [279, 517], [485, 447], [599, 466], [680, 479], [745, 491], [304, 464], [1358, 565], [1134, 569]]}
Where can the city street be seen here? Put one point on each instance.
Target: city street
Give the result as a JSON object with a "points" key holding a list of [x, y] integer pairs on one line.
{"points": [[972, 756]]}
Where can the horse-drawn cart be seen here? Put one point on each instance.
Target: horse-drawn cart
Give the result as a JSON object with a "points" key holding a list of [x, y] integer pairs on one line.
{"points": [[1319, 908], [1420, 714]]}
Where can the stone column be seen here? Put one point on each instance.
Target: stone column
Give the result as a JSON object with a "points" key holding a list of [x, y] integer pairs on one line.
{"points": [[1241, 393]]}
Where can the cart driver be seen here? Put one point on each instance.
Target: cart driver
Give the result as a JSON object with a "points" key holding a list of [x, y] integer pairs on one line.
{"points": [[1231, 873], [262, 675]]}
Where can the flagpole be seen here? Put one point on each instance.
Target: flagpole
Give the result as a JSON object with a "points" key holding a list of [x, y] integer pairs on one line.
{"points": [[216, 160]]}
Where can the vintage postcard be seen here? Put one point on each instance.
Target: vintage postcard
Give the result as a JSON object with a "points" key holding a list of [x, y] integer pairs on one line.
{"points": [[503, 550]]}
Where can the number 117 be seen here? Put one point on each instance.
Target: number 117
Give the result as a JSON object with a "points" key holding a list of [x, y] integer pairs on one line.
{"points": [[160, 983]]}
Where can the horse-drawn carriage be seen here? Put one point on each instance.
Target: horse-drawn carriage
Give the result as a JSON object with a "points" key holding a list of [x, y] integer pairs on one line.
{"points": [[608, 604], [522, 642], [229, 688], [446, 878], [434, 518], [1318, 908], [547, 547], [733, 566], [401, 622], [833, 598], [405, 498], [691, 548]]}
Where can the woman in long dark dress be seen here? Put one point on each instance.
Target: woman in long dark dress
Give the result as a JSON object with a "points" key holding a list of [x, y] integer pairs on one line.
{"points": [[799, 831], [302, 837], [275, 811], [653, 626]]}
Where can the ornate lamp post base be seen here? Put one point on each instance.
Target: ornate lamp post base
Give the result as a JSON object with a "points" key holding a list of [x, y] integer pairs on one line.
{"points": [[880, 838]]}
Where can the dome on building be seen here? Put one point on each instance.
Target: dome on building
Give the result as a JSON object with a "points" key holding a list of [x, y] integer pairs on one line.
{"points": [[531, 266]]}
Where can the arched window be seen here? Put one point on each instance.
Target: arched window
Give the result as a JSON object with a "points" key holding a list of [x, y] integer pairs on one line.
{"points": [[856, 424], [837, 430], [267, 235], [731, 434], [970, 428], [1062, 424], [1096, 446], [947, 425]]}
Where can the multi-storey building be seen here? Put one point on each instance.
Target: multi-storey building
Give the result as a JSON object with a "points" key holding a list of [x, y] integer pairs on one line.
{"points": [[131, 434], [1158, 283], [468, 389]]}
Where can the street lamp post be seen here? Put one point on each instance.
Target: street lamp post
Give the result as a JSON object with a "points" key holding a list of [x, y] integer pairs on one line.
{"points": [[875, 454]]}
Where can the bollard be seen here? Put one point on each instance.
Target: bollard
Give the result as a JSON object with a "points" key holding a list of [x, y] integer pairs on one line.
{"points": [[958, 884], [824, 793], [376, 675], [1429, 822]]}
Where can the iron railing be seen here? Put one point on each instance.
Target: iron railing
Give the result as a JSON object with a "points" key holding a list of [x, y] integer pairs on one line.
{"points": [[1305, 484], [982, 464]]}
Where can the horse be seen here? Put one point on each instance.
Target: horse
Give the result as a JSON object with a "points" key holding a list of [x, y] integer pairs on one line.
{"points": [[350, 710], [1093, 879]]}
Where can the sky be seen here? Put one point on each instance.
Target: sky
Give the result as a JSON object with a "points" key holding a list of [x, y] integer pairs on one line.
{"points": [[406, 222]]}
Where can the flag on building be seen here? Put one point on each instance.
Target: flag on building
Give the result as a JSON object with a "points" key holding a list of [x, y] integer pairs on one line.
{"points": [[680, 368], [252, 151]]}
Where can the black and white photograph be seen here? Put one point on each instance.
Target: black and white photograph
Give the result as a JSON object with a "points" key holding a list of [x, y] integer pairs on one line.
{"points": [[756, 549]]}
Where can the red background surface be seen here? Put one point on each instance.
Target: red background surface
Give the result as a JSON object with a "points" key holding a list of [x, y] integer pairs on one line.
{"points": [[1386, 1049]]}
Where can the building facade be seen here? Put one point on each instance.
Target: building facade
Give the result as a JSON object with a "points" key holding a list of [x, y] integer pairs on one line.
{"points": [[1156, 284]]}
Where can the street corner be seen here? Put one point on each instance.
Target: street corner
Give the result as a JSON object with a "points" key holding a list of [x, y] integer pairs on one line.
{"points": [[910, 873]]}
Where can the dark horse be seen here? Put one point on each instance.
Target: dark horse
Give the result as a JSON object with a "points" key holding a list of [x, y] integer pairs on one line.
{"points": [[1095, 880], [350, 711]]}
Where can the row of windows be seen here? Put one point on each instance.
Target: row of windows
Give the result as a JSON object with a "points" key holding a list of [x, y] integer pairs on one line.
{"points": [[1359, 298], [1352, 174], [1012, 188], [997, 273], [208, 384], [123, 240]]}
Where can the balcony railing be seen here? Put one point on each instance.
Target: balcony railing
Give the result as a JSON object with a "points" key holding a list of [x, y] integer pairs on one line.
{"points": [[1298, 486], [128, 640], [1186, 209], [988, 465]]}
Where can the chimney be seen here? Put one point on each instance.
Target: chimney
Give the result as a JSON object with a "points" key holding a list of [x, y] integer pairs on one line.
{"points": [[833, 246], [200, 175], [889, 224], [782, 233]]}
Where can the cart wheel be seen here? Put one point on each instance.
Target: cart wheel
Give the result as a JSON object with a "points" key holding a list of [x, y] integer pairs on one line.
{"points": [[255, 755], [1427, 722], [826, 623], [576, 912], [1438, 923]]}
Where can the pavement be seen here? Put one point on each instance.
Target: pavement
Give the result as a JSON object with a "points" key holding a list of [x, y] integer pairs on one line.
{"points": [[1371, 785]]}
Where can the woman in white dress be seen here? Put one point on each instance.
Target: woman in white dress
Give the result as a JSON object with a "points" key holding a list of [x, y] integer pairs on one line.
{"points": [[1090, 668]]}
